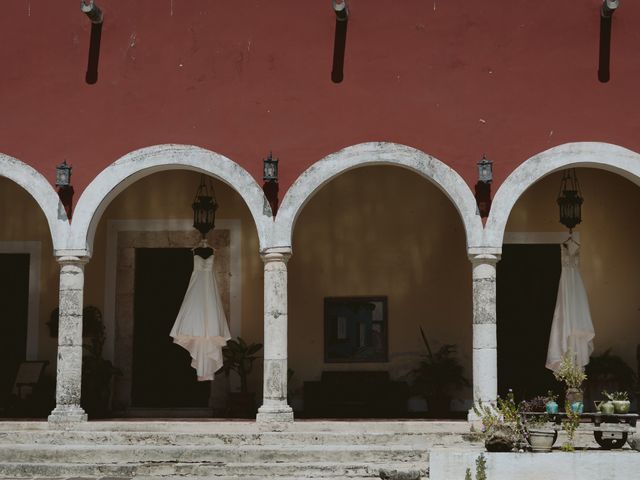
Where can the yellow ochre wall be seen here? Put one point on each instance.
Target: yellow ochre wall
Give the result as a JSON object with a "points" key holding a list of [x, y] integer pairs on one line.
{"points": [[380, 231], [372, 231], [21, 219], [609, 254]]}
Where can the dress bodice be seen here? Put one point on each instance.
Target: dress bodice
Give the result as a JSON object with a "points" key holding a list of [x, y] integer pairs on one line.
{"points": [[202, 264], [570, 255]]}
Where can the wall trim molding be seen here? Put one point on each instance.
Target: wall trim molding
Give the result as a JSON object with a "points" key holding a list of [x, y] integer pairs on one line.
{"points": [[539, 237]]}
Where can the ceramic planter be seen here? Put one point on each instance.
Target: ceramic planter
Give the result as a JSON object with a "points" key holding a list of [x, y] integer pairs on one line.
{"points": [[573, 395], [551, 407], [577, 407], [621, 406], [607, 408], [542, 440]]}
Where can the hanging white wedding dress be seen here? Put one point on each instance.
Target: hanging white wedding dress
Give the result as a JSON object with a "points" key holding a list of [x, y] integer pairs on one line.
{"points": [[201, 326], [572, 328]]}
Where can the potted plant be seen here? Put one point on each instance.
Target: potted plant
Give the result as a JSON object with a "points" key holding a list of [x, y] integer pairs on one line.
{"points": [[620, 401], [536, 422], [97, 372], [573, 377], [551, 404], [437, 376], [502, 427], [239, 357]]}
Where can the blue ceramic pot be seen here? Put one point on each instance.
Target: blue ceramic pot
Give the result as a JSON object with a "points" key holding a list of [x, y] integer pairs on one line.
{"points": [[551, 407], [577, 407]]}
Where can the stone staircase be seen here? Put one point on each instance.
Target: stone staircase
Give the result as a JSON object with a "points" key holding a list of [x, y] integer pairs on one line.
{"points": [[224, 450]]}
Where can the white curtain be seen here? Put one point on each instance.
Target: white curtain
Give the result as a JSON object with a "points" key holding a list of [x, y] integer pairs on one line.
{"points": [[572, 328]]}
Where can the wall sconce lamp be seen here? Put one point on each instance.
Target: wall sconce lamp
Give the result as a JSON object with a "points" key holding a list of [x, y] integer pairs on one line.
{"points": [[204, 207], [342, 12], [485, 170], [483, 186], [570, 200], [65, 189], [91, 10], [270, 169], [606, 17], [63, 175]]}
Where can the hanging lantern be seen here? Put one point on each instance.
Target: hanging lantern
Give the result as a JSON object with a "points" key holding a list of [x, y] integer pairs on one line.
{"points": [[485, 170], [270, 169], [204, 207], [63, 174], [570, 200]]}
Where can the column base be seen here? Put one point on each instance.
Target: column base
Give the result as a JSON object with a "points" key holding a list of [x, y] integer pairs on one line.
{"points": [[275, 414], [67, 414]]}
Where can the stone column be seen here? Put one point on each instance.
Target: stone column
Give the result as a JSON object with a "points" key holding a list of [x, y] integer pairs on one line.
{"points": [[485, 356], [274, 404], [69, 371]]}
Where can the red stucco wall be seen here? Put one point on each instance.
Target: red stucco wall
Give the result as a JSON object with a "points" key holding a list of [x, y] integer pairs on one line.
{"points": [[453, 78]]}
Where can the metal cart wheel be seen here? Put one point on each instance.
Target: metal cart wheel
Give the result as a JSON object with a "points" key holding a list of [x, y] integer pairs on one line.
{"points": [[609, 443]]}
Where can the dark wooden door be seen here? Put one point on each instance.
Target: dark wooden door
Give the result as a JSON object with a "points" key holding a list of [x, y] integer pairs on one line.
{"points": [[14, 306], [162, 373], [527, 287]]}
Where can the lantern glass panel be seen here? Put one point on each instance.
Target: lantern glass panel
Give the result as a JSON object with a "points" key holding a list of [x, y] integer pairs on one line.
{"points": [[63, 175]]}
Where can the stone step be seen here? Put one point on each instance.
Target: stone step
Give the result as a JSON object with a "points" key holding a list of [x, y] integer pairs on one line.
{"points": [[229, 454], [140, 470], [61, 437]]}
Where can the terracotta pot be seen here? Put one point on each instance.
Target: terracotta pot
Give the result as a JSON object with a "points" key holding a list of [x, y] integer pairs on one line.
{"points": [[573, 395]]}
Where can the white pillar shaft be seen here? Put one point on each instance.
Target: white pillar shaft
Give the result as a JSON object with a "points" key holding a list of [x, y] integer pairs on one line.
{"points": [[69, 369], [485, 358], [274, 406]]}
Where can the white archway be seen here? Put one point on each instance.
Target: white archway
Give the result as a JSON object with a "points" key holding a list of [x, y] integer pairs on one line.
{"points": [[570, 155], [145, 161], [42, 192], [376, 153]]}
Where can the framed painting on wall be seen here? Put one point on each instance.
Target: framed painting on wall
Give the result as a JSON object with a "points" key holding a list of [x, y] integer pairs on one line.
{"points": [[355, 329]]}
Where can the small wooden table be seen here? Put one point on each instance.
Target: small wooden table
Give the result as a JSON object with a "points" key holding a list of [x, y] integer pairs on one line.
{"points": [[609, 431]]}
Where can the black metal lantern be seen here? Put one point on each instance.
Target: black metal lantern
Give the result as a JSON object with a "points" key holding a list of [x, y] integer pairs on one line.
{"points": [[570, 200], [270, 169], [485, 170], [63, 174], [204, 207]]}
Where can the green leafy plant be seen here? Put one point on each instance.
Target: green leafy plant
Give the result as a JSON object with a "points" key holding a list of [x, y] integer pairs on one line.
{"points": [[481, 469], [609, 369], [569, 373], [616, 396], [239, 357], [438, 374], [504, 419], [97, 371], [551, 396], [570, 425]]}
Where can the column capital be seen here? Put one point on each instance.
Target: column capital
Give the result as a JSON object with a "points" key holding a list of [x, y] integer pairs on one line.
{"points": [[484, 258], [72, 257], [276, 254]]}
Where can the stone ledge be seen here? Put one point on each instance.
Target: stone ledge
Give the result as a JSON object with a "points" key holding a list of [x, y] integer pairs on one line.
{"points": [[449, 464]]}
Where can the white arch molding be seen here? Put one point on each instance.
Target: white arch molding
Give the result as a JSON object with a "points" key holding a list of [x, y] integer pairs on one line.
{"points": [[605, 156], [377, 153], [145, 161], [42, 192]]}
